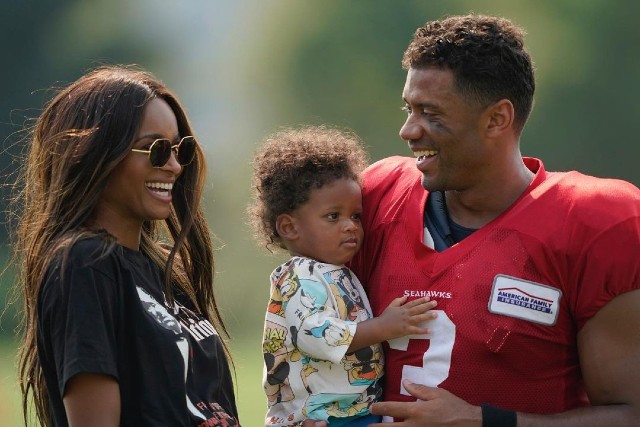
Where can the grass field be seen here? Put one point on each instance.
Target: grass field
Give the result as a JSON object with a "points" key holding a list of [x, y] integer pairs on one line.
{"points": [[10, 412], [246, 353]]}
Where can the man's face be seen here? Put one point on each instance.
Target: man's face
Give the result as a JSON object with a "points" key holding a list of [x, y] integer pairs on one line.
{"points": [[444, 131]]}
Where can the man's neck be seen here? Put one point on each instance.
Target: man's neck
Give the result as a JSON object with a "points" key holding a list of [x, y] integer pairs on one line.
{"points": [[476, 208]]}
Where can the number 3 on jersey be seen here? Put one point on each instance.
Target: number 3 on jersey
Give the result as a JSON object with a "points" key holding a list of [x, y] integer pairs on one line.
{"points": [[436, 361]]}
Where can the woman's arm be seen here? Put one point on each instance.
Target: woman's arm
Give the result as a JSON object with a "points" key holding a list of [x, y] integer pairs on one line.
{"points": [[92, 400]]}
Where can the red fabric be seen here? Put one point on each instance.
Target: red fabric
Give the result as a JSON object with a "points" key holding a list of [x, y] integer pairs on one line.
{"points": [[573, 232]]}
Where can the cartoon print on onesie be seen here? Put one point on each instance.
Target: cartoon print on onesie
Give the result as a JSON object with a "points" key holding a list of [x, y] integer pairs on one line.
{"points": [[275, 352], [284, 289], [277, 368], [359, 406], [350, 305], [303, 294], [364, 365]]}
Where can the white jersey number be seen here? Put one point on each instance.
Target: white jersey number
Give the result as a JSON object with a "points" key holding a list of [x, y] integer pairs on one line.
{"points": [[436, 361]]}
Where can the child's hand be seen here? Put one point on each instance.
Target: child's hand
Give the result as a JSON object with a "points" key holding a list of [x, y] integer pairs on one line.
{"points": [[402, 318], [399, 319]]}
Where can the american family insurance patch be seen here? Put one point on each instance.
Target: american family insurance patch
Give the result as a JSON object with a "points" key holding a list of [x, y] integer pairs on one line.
{"points": [[525, 300]]}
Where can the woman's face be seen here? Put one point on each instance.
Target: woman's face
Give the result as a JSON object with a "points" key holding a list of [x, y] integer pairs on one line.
{"points": [[136, 191]]}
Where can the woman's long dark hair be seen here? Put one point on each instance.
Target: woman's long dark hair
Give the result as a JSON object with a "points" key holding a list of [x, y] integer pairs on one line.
{"points": [[83, 133]]}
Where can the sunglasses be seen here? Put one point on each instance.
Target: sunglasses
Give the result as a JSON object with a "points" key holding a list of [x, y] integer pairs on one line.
{"points": [[160, 151]]}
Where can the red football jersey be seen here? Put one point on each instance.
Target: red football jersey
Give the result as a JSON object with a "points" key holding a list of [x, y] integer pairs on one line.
{"points": [[512, 296]]}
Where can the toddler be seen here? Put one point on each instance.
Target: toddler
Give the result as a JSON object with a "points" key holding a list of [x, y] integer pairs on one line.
{"points": [[321, 344]]}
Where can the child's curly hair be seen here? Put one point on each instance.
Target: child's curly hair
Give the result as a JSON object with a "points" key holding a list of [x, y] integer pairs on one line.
{"points": [[290, 164]]}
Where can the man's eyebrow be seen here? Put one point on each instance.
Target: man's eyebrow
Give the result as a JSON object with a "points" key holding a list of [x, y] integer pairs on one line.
{"points": [[429, 105]]}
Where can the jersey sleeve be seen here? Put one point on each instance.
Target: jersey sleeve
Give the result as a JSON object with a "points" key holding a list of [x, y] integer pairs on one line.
{"points": [[78, 320], [603, 241]]}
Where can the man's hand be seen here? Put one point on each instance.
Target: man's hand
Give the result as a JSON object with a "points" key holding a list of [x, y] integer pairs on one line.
{"points": [[435, 407]]}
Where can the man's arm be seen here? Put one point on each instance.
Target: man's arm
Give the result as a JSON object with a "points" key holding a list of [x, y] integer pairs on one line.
{"points": [[609, 350]]}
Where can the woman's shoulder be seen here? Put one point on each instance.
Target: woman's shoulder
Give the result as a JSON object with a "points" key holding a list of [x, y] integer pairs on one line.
{"points": [[82, 264], [88, 253], [88, 246], [90, 250]]}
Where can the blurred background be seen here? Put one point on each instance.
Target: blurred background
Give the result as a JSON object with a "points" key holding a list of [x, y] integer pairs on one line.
{"points": [[245, 68]]}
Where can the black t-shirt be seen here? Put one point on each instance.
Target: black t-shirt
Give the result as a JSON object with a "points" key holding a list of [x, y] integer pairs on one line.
{"points": [[108, 315]]}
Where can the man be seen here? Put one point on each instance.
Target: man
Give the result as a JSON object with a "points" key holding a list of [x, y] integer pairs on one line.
{"points": [[537, 274]]}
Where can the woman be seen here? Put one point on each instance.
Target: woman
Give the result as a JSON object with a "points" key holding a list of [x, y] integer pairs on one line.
{"points": [[117, 263]]}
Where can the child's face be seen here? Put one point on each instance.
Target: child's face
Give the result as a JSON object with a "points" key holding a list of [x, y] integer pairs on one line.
{"points": [[328, 225]]}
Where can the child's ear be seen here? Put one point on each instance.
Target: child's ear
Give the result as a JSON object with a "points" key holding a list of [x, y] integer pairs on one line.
{"points": [[286, 227]]}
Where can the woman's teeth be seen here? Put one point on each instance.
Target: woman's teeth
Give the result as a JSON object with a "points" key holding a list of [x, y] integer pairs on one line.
{"points": [[160, 187]]}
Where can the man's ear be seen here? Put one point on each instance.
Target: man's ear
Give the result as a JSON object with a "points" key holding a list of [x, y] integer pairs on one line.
{"points": [[286, 227], [500, 118]]}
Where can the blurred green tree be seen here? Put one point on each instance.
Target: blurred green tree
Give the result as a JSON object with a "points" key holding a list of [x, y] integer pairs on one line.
{"points": [[342, 66], [43, 43]]}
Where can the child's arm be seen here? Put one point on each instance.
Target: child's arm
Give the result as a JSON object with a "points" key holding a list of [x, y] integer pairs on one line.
{"points": [[400, 318]]}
